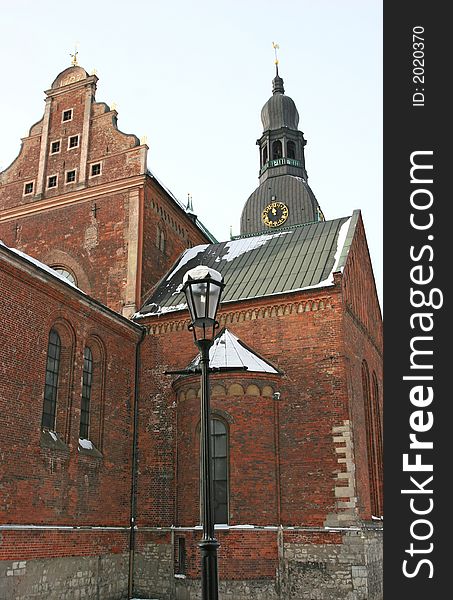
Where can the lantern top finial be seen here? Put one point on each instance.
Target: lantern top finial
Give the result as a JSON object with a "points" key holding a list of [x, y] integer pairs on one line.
{"points": [[202, 272]]}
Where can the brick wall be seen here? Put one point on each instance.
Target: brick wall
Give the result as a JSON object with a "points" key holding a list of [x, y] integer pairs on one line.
{"points": [[303, 336], [163, 216], [54, 481]]}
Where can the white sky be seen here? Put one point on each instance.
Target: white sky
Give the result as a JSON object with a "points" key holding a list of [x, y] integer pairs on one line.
{"points": [[193, 75]]}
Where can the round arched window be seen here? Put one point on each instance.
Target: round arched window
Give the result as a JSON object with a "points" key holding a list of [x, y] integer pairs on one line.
{"points": [[67, 274]]}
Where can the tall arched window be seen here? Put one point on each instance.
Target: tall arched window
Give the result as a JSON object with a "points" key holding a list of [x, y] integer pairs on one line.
{"points": [[264, 156], [51, 383], [291, 149], [372, 439], [87, 381], [219, 441], [378, 438], [276, 149]]}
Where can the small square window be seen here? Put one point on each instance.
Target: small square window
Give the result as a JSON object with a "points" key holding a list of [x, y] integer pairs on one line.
{"points": [[67, 115], [70, 176], [95, 169], [28, 188], [55, 147], [52, 181], [73, 141]]}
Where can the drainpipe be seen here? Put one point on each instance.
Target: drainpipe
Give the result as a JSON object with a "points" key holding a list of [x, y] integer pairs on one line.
{"points": [[133, 511]]}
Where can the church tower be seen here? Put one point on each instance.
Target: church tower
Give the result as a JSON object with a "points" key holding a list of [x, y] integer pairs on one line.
{"points": [[283, 197]]}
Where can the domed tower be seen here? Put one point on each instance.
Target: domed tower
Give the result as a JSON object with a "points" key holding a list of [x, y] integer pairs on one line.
{"points": [[283, 197]]}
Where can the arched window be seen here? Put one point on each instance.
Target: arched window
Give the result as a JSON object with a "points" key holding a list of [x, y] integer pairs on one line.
{"points": [[87, 381], [378, 438], [373, 436], [264, 154], [291, 149], [51, 383], [276, 149], [66, 273], [219, 441]]}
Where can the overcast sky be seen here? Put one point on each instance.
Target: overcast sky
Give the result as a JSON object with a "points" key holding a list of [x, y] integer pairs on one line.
{"points": [[193, 75]]}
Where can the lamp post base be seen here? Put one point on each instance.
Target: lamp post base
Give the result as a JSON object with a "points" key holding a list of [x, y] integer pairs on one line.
{"points": [[209, 577]]}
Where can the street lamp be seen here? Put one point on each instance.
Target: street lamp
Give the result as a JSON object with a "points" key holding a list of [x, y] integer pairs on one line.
{"points": [[203, 287]]}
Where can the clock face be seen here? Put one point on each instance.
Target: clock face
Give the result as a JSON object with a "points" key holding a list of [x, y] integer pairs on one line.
{"points": [[275, 214]]}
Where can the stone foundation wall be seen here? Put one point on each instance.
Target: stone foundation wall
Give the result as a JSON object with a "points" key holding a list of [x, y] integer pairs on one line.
{"points": [[69, 578], [229, 590], [154, 572], [351, 570], [311, 566], [347, 568]]}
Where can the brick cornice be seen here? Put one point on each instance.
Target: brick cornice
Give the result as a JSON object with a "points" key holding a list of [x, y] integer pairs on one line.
{"points": [[242, 312]]}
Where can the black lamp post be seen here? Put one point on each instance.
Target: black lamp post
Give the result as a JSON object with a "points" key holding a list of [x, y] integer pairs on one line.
{"points": [[203, 287]]}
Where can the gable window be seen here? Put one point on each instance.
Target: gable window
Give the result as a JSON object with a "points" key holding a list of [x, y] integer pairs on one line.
{"points": [[28, 188], [219, 441], [73, 141], [52, 181], [95, 169], [55, 147], [67, 115], [70, 176], [51, 381], [87, 380]]}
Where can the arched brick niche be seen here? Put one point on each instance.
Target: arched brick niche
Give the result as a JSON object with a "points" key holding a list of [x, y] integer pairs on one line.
{"points": [[246, 406]]}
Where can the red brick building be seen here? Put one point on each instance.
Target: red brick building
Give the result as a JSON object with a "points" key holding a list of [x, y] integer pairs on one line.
{"points": [[100, 483]]}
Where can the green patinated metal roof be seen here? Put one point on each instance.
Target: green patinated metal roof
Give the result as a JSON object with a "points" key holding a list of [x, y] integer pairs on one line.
{"points": [[296, 258]]}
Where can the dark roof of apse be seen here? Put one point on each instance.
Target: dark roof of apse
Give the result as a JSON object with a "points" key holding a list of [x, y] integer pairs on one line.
{"points": [[295, 258]]}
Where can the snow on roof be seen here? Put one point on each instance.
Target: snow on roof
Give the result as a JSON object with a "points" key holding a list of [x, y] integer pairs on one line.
{"points": [[238, 247], [188, 255], [42, 266], [229, 351]]}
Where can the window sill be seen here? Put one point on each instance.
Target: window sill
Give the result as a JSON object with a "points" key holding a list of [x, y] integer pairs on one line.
{"points": [[52, 440], [87, 448]]}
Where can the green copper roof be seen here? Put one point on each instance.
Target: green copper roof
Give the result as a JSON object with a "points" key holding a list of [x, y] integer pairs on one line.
{"points": [[286, 260]]}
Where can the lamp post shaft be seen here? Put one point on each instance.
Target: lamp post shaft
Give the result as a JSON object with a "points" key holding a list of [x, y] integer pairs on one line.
{"points": [[208, 545]]}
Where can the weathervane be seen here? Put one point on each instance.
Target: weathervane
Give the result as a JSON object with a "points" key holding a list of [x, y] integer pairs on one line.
{"points": [[74, 62], [275, 47]]}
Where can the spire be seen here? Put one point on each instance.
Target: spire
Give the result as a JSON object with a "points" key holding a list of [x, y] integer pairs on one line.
{"points": [[277, 85], [189, 207], [283, 195]]}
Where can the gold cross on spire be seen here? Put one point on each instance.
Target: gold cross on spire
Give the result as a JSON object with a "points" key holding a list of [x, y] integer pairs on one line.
{"points": [[74, 62], [275, 47]]}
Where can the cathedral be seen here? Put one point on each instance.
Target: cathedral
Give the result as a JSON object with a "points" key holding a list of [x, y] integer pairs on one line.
{"points": [[100, 445]]}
